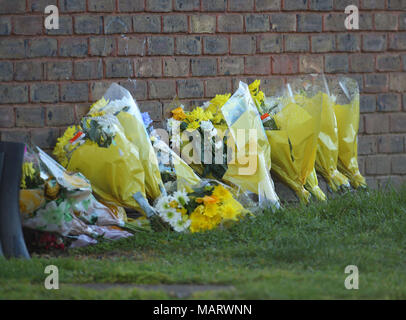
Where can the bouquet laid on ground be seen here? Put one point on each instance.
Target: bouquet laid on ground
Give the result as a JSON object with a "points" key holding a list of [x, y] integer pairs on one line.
{"points": [[292, 124], [112, 148], [228, 143], [347, 111], [205, 207], [55, 201]]}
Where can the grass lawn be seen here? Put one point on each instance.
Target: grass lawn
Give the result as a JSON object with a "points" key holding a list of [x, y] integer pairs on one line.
{"points": [[300, 253]]}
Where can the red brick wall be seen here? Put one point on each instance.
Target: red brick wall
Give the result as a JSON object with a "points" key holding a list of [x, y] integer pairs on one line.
{"points": [[196, 49]]}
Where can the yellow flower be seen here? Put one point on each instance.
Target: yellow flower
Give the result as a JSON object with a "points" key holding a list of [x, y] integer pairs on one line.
{"points": [[215, 107], [178, 114], [63, 145], [198, 114], [200, 222], [257, 95], [173, 204], [207, 199], [28, 171], [221, 193], [193, 126], [211, 210], [229, 212]]}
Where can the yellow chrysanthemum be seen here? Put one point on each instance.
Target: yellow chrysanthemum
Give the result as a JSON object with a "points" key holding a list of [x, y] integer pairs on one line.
{"points": [[193, 126], [211, 210], [257, 95], [229, 212], [215, 107], [63, 145], [28, 171], [222, 193], [99, 104], [178, 114], [200, 222]]}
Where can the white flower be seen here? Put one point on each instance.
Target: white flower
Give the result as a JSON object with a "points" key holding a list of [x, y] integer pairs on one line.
{"points": [[172, 217], [173, 124], [162, 204], [182, 225], [206, 125], [181, 197]]}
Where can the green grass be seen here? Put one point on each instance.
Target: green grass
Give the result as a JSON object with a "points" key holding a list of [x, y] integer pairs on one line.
{"points": [[300, 252]]}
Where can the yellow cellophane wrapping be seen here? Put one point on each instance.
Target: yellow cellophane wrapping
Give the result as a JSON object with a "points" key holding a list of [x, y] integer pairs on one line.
{"points": [[327, 148], [348, 124], [116, 172], [294, 144], [259, 181], [312, 184]]}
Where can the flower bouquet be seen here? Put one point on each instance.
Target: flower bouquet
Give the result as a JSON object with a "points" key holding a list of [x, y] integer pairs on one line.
{"points": [[347, 111]]}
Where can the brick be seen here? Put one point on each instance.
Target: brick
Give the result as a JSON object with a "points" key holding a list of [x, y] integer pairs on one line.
{"points": [[257, 65], [159, 5], [398, 41], [214, 5], [44, 92], [215, 45], [375, 82], [321, 5], [390, 144], [72, 5], [365, 21], [44, 137], [28, 71], [117, 24], [389, 102], [297, 43], [399, 164], [230, 23], [397, 82], [58, 70], [13, 48], [311, 64], [154, 108], [28, 25], [88, 24], [404, 62], [65, 27], [97, 90], [367, 103], [74, 92], [187, 5], [30, 116], [130, 5], [22, 136], [101, 5], [342, 4], [285, 64], [133, 46], [7, 6], [283, 22], [44, 47], [10, 93], [160, 45], [372, 4], [176, 67], [175, 23], [147, 23], [88, 69], [148, 67], [6, 71], [240, 5], [190, 88], [270, 43], [204, 66], [295, 4], [203, 24], [388, 63], [336, 63], [402, 21], [323, 43], [188, 45], [162, 89], [362, 63], [386, 21], [272, 85], [335, 22], [376, 123], [367, 145], [377, 165], [373, 42], [73, 47], [119, 68], [231, 65], [267, 5], [217, 86], [243, 44], [257, 23], [309, 22], [6, 117], [102, 46], [348, 42], [396, 4], [397, 123], [60, 115], [138, 89], [5, 26]]}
